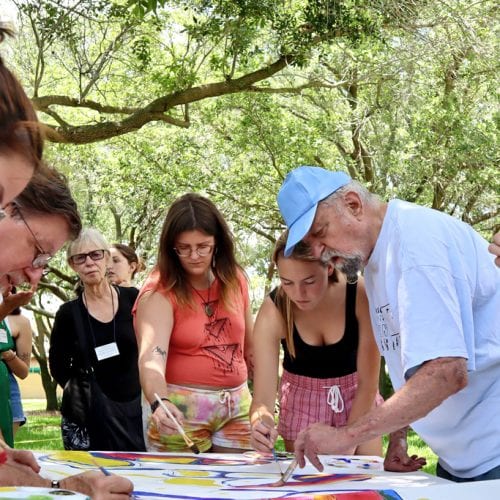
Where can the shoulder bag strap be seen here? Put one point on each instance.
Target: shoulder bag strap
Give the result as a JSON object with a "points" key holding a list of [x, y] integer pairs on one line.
{"points": [[80, 334]]}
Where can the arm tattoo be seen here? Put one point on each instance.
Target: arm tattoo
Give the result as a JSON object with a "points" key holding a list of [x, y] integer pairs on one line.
{"points": [[160, 351], [24, 356]]}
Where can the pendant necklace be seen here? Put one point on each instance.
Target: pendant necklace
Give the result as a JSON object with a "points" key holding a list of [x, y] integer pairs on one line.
{"points": [[207, 305]]}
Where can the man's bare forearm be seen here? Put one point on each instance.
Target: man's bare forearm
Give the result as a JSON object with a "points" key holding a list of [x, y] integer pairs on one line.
{"points": [[434, 382]]}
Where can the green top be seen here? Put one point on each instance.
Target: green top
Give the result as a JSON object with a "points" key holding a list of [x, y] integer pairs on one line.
{"points": [[6, 343]]}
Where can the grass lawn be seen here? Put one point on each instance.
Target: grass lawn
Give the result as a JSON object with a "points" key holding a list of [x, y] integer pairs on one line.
{"points": [[42, 432]]}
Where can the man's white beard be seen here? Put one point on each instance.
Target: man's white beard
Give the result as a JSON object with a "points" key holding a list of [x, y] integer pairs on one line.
{"points": [[351, 264]]}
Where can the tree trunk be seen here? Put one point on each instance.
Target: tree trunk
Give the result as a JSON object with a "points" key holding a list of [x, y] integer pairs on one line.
{"points": [[49, 386]]}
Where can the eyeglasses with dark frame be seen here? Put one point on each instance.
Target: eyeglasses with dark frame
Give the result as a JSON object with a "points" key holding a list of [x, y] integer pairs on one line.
{"points": [[42, 258], [201, 250], [80, 258]]}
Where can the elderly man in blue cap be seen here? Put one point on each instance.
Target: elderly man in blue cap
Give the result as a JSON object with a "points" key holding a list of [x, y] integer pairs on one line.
{"points": [[434, 297]]}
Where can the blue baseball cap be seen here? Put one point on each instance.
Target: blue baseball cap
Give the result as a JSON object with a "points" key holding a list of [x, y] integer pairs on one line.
{"points": [[298, 198]]}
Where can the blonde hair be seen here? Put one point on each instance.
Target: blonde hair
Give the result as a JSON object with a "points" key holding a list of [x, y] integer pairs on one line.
{"points": [[301, 251], [87, 235]]}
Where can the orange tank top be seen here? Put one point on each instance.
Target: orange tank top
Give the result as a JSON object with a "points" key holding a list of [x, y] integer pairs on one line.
{"points": [[205, 350]]}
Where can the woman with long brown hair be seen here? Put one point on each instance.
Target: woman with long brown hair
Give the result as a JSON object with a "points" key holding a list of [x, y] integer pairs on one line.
{"points": [[123, 265], [193, 322]]}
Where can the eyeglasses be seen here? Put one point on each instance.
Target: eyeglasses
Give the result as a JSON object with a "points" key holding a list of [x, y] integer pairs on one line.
{"points": [[201, 250], [80, 258], [42, 258]]}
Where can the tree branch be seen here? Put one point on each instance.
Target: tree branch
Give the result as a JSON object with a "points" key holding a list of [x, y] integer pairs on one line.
{"points": [[155, 111]]}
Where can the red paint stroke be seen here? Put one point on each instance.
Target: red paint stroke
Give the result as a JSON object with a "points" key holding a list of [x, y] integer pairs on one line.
{"points": [[314, 479], [347, 495], [181, 459]]}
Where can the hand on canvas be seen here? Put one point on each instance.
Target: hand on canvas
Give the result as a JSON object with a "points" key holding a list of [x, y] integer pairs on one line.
{"points": [[397, 458], [22, 458], [322, 439], [263, 433], [98, 486], [19, 468]]}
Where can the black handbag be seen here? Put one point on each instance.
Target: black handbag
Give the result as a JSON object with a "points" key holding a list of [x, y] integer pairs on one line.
{"points": [[75, 403], [77, 396]]}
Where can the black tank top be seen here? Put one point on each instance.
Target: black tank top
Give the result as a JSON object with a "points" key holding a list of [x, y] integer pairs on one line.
{"points": [[326, 361]]}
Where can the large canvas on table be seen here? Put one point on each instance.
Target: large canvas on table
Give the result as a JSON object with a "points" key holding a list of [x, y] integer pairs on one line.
{"points": [[242, 476]]}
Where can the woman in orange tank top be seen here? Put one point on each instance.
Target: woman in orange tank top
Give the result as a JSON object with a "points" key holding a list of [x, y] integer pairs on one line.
{"points": [[193, 323]]}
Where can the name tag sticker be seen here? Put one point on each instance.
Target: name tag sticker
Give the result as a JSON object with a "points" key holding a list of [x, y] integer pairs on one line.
{"points": [[107, 351], [3, 336]]}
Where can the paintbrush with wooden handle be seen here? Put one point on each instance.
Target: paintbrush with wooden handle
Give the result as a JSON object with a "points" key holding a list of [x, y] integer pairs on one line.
{"points": [[181, 431], [289, 471], [287, 474]]}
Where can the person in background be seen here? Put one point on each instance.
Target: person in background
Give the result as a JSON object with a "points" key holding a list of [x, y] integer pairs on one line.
{"points": [[124, 265], [11, 359], [194, 325], [434, 297], [331, 362], [18, 361], [110, 346], [21, 146]]}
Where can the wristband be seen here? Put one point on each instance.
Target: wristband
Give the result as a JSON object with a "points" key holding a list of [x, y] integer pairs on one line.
{"points": [[155, 404], [3, 456], [55, 484]]}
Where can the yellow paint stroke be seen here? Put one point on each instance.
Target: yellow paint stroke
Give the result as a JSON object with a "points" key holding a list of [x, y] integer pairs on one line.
{"points": [[189, 481], [193, 478], [174, 460], [193, 473], [85, 458]]}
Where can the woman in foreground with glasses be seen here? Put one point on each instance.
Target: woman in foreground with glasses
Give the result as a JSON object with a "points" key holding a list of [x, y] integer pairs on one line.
{"points": [[96, 329], [193, 322], [47, 196]]}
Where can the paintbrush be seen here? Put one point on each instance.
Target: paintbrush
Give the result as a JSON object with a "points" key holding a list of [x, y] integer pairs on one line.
{"points": [[268, 436], [101, 468], [181, 431], [289, 470], [287, 474], [107, 473], [276, 460]]}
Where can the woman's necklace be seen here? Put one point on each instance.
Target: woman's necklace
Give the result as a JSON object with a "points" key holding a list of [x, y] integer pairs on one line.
{"points": [[207, 305]]}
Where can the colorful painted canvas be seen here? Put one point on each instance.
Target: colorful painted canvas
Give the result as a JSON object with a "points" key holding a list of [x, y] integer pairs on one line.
{"points": [[29, 493], [242, 476]]}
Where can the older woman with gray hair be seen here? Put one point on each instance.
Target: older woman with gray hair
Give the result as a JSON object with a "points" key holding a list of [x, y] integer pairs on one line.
{"points": [[93, 355]]}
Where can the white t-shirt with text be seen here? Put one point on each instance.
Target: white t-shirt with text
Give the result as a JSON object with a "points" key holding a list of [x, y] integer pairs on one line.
{"points": [[434, 291]]}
